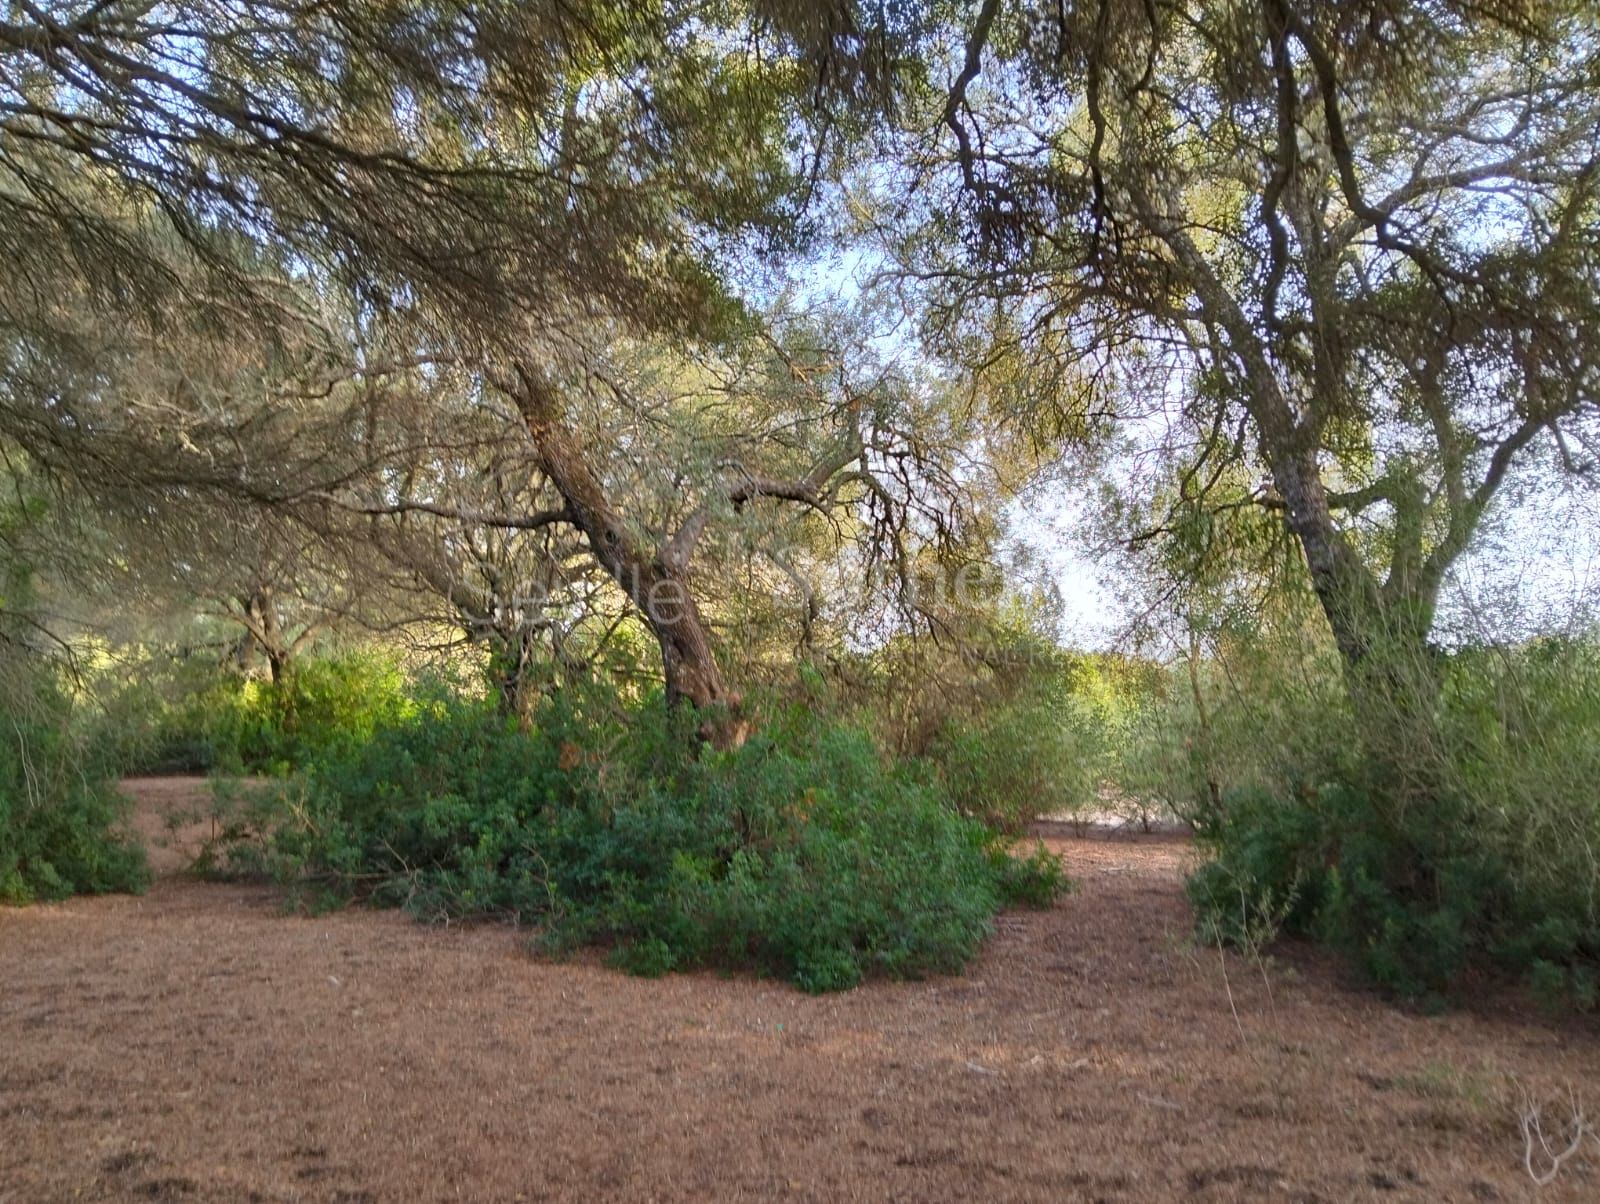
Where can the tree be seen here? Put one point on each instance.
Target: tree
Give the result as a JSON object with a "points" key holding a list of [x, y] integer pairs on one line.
{"points": [[509, 191], [646, 456], [1356, 244], [437, 533], [256, 571]]}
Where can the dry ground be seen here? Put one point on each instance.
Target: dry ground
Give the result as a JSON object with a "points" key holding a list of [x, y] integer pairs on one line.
{"points": [[197, 1044]]}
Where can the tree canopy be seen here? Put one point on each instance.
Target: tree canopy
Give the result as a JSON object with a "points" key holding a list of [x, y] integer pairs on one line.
{"points": [[474, 304]]}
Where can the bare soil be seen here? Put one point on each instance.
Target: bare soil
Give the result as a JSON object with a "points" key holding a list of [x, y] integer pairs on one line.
{"points": [[198, 1044]]}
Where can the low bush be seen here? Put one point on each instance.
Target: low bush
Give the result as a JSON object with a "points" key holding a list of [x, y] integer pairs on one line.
{"points": [[1043, 754], [323, 706], [59, 810], [1498, 869], [195, 718], [1417, 905], [801, 853]]}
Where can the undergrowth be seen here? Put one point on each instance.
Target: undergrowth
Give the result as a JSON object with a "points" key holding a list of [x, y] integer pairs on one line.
{"points": [[198, 718], [60, 810], [803, 853], [1494, 868]]}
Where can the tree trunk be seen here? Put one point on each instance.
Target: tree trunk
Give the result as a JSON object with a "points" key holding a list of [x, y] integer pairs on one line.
{"points": [[1391, 672], [511, 663], [243, 655], [1344, 586], [660, 591], [1203, 718], [267, 633]]}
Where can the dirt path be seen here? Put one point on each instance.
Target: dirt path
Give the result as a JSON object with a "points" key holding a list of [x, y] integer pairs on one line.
{"points": [[198, 1045]]}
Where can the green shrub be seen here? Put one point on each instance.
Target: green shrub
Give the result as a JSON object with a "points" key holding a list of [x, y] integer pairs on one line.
{"points": [[801, 853], [58, 810], [1044, 753], [1262, 713], [1416, 905], [154, 716], [1497, 868], [322, 706], [1034, 880], [194, 718]]}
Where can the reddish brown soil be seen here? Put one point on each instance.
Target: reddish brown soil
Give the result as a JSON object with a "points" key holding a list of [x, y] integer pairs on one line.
{"points": [[197, 1044]]}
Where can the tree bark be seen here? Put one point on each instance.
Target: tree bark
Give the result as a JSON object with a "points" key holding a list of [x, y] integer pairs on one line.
{"points": [[1391, 672], [511, 663], [1203, 719], [659, 588], [266, 632]]}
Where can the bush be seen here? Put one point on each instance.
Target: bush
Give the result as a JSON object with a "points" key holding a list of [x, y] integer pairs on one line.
{"points": [[194, 718], [323, 706], [1040, 755], [801, 854], [1416, 906], [58, 811], [151, 716], [1259, 714], [1499, 868]]}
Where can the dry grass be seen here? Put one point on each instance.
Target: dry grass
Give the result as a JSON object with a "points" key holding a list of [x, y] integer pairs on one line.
{"points": [[198, 1045]]}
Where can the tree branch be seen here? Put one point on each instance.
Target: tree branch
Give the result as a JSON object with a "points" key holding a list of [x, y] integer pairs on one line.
{"points": [[511, 522], [678, 549]]}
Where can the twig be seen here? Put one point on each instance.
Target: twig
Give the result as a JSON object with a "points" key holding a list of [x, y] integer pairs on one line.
{"points": [[1533, 1134]]}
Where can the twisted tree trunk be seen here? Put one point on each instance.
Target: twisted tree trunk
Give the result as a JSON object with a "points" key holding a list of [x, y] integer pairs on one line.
{"points": [[657, 582]]}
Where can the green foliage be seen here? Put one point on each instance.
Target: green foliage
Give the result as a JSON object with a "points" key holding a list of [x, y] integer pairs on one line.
{"points": [[1015, 727], [323, 705], [1033, 880], [1044, 753], [1497, 867], [1262, 712], [59, 811], [801, 853], [189, 718]]}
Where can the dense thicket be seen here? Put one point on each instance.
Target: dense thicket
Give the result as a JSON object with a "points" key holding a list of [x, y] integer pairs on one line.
{"points": [[60, 813], [801, 853]]}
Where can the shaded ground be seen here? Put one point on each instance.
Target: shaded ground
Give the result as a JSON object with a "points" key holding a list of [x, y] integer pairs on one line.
{"points": [[198, 1045]]}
